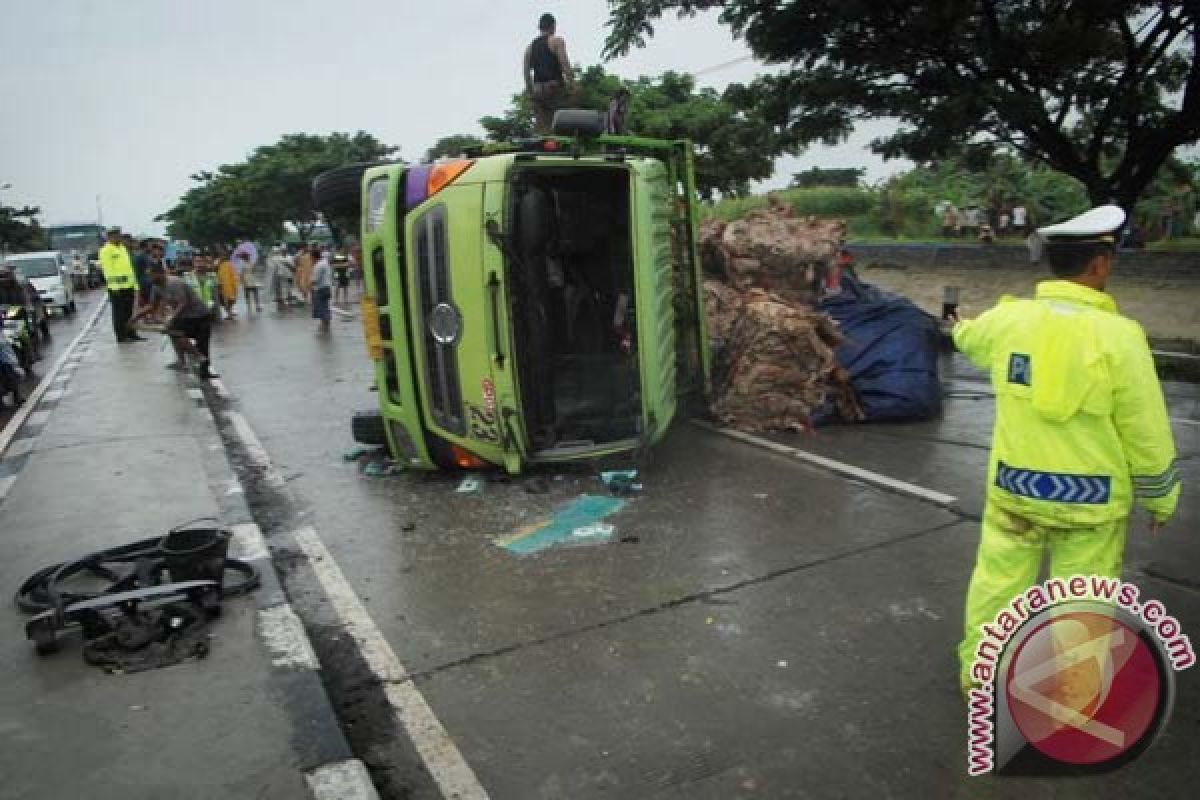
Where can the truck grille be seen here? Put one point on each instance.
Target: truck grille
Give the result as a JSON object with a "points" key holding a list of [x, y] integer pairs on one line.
{"points": [[441, 358]]}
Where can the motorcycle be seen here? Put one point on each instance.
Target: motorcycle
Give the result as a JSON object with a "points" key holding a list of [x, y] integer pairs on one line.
{"points": [[22, 334], [11, 372]]}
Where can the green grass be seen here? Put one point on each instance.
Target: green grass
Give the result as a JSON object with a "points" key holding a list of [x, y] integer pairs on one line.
{"points": [[1186, 244], [817, 202], [864, 217]]}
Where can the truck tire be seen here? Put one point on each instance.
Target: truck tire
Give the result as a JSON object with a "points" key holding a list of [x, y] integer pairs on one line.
{"points": [[337, 193], [579, 122], [368, 428]]}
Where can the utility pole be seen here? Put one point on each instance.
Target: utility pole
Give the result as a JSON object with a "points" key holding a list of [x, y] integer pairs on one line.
{"points": [[3, 241]]}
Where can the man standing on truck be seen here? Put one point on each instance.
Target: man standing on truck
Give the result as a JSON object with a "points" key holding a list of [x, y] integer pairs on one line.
{"points": [[121, 281], [547, 74], [1081, 427]]}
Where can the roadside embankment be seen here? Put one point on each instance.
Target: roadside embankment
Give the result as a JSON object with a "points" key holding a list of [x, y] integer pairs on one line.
{"points": [[1159, 290]]}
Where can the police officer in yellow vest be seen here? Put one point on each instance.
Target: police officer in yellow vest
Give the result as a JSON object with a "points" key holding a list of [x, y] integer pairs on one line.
{"points": [[122, 285], [1081, 428]]}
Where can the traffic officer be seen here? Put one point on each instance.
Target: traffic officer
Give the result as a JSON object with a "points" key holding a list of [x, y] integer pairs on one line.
{"points": [[1081, 427], [122, 285]]}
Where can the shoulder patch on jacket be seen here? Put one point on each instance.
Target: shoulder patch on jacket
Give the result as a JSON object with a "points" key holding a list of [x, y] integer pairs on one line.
{"points": [[1019, 369]]}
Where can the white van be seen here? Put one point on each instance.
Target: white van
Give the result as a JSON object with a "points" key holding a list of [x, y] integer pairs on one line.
{"points": [[49, 273]]}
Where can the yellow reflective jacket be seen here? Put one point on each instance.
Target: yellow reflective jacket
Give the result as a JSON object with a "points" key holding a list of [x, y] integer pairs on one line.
{"points": [[1081, 425], [117, 268]]}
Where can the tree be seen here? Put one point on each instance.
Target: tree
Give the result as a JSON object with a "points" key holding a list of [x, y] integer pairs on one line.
{"points": [[452, 146], [818, 176], [733, 146], [1102, 90], [268, 191], [19, 229]]}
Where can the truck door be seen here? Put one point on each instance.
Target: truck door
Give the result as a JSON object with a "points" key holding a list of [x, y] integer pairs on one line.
{"points": [[449, 308]]}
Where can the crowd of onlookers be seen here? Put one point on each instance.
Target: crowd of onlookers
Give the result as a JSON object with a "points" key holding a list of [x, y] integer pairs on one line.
{"points": [[974, 222], [185, 296], [311, 275]]}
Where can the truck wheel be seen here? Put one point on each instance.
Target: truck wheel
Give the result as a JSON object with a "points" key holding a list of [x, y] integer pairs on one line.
{"points": [[337, 193], [578, 122], [368, 428]]}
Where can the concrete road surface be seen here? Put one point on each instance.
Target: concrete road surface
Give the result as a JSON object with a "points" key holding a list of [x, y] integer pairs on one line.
{"points": [[759, 626]]}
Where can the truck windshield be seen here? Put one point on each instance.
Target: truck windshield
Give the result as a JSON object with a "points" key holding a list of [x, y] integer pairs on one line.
{"points": [[84, 238], [37, 267]]}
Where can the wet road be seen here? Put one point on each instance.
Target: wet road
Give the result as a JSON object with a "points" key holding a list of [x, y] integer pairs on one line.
{"points": [[765, 629], [63, 329]]}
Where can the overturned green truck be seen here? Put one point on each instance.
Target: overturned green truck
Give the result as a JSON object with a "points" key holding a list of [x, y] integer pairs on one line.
{"points": [[539, 301]]}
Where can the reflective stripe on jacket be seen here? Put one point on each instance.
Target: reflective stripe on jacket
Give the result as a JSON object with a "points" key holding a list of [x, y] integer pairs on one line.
{"points": [[1081, 426], [117, 268]]}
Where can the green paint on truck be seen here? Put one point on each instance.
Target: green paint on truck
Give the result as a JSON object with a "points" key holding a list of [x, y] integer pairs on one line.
{"points": [[538, 302]]}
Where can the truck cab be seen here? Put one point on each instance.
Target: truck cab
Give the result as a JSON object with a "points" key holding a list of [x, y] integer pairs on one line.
{"points": [[537, 302]]}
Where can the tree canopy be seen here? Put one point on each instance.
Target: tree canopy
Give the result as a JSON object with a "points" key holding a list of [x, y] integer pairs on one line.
{"points": [[452, 146], [1102, 90], [272, 188], [822, 176], [19, 229], [733, 146]]}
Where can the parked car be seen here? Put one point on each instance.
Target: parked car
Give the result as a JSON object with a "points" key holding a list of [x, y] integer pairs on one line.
{"points": [[538, 302], [49, 273]]}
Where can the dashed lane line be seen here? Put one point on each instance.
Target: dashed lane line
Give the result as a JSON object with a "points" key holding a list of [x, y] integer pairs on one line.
{"points": [[446, 764], [345, 780]]}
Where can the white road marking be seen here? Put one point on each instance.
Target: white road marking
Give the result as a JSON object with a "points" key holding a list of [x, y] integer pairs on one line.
{"points": [[19, 448], [283, 634], [219, 385], [1183, 421], [1184, 356], [22, 413], [5, 484], [54, 395], [248, 543], [344, 780], [254, 449], [195, 394], [441, 756], [38, 418], [841, 468]]}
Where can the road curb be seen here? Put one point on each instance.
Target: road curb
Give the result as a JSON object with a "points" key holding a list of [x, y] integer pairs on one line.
{"points": [[329, 766], [401, 718]]}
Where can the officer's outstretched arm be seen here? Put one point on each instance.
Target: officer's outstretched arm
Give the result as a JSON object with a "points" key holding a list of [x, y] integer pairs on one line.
{"points": [[1140, 415], [973, 338]]}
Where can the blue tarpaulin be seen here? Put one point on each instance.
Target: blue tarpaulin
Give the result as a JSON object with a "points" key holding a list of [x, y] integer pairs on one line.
{"points": [[890, 352]]}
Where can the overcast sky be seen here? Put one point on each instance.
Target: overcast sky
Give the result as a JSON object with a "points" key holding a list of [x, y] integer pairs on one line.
{"points": [[126, 98]]}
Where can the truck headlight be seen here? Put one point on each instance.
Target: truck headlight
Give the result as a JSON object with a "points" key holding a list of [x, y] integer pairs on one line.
{"points": [[376, 202]]}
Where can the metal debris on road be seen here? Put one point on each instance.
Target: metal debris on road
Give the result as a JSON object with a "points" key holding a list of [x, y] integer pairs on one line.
{"points": [[470, 484], [160, 596], [357, 452], [621, 481]]}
